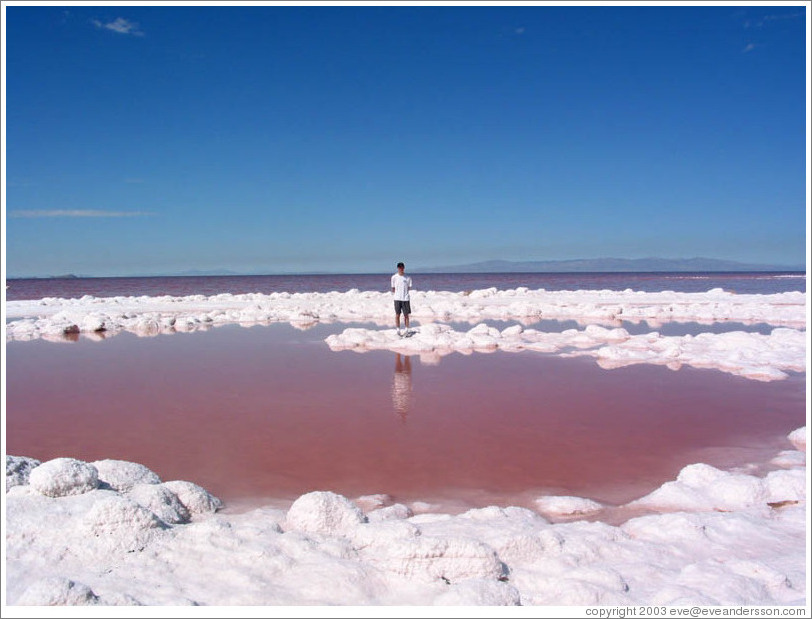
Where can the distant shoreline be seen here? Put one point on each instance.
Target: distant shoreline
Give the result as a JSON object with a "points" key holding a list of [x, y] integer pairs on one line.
{"points": [[787, 271]]}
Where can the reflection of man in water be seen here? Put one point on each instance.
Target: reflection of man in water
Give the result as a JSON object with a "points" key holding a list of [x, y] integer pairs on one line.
{"points": [[402, 386]]}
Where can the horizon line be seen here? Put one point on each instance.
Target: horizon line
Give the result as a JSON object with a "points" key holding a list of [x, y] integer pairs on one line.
{"points": [[777, 269]]}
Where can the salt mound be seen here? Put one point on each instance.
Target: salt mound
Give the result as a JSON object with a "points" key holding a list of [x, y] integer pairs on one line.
{"points": [[449, 559], [18, 470], [381, 533], [120, 524], [785, 486], [701, 487], [323, 512], [798, 438], [63, 477], [161, 501], [369, 502], [122, 475], [790, 459], [398, 511], [195, 499], [566, 506]]}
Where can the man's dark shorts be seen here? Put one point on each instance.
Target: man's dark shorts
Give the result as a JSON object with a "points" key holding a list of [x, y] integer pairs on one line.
{"points": [[402, 306]]}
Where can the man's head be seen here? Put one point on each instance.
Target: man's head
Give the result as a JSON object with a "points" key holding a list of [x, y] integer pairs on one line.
{"points": [[401, 266]]}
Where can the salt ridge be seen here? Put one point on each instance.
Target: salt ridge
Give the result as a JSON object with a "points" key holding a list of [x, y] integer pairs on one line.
{"points": [[152, 315], [111, 533], [750, 355]]}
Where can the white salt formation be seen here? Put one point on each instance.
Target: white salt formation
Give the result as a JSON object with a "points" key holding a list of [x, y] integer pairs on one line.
{"points": [[51, 317], [111, 533], [752, 355]]}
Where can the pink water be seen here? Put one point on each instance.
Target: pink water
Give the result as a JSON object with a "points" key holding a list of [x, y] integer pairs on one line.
{"points": [[270, 413]]}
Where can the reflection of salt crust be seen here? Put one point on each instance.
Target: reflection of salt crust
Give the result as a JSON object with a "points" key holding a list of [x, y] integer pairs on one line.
{"points": [[51, 317], [752, 355], [111, 533]]}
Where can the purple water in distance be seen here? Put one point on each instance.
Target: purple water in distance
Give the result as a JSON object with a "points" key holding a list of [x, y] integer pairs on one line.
{"points": [[742, 283]]}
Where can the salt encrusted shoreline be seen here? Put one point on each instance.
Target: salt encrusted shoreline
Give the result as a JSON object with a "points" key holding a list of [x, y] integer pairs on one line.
{"points": [[53, 318], [111, 533], [748, 354]]}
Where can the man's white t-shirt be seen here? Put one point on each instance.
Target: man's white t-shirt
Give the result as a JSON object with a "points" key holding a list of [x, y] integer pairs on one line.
{"points": [[401, 284]]}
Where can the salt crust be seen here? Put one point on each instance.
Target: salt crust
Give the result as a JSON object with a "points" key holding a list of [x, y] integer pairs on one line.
{"points": [[53, 318], [751, 355], [708, 537], [566, 506]]}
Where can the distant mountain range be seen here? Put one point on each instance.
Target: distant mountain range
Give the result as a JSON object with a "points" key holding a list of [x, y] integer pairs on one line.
{"points": [[592, 265], [610, 265]]}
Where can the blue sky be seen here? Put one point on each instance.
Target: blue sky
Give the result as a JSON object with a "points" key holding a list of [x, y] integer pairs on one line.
{"points": [[268, 138]]}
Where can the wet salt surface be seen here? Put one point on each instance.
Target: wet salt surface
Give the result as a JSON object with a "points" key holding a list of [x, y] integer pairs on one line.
{"points": [[268, 413]]}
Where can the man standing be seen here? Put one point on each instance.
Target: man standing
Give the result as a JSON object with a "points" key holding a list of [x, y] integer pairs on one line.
{"points": [[400, 288]]}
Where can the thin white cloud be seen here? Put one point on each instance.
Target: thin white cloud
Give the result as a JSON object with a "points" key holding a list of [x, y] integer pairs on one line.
{"points": [[75, 213], [121, 26], [766, 19], [748, 48]]}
